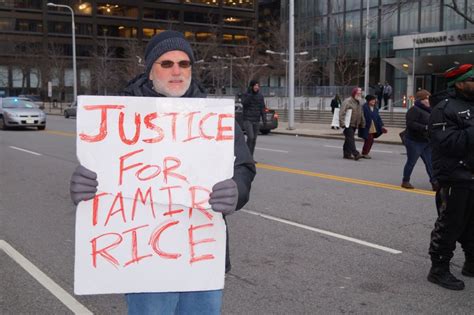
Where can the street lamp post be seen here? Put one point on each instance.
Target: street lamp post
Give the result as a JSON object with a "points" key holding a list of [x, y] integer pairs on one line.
{"points": [[74, 68], [413, 68], [231, 58], [367, 52], [291, 64], [291, 84]]}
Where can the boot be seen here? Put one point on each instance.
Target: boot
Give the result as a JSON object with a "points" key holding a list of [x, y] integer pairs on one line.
{"points": [[407, 185], [468, 268], [440, 275]]}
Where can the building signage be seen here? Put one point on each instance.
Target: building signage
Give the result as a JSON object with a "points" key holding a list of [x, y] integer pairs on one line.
{"points": [[449, 38]]}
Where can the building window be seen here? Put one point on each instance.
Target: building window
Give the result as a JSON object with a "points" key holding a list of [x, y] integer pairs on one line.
{"points": [[352, 31], [84, 8], [337, 6], [7, 24], [336, 31], [203, 18], [3, 76], [28, 26], [409, 18], [204, 36], [23, 4], [108, 9], [203, 2], [237, 21], [84, 50], [320, 31], [242, 4], [352, 5], [430, 16], [117, 31], [389, 21], [160, 14], [85, 78], [452, 20]]}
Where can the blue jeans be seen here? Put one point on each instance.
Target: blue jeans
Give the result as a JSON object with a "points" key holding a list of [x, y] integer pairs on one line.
{"points": [[415, 150], [197, 302]]}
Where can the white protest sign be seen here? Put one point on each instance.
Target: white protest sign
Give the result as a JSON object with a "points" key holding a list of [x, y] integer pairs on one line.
{"points": [[150, 227]]}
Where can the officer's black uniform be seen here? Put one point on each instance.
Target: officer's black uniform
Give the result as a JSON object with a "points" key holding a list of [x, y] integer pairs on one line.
{"points": [[452, 138]]}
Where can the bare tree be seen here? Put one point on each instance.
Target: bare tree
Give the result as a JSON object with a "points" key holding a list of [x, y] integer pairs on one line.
{"points": [[58, 63], [467, 16], [104, 69], [134, 61]]}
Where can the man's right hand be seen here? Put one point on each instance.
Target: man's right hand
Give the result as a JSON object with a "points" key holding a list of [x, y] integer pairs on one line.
{"points": [[83, 184]]}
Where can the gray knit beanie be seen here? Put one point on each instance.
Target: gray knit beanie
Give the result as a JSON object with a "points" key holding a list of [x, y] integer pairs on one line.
{"points": [[164, 42]]}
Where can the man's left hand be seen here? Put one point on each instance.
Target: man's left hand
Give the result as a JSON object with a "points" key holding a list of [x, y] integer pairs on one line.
{"points": [[224, 197]]}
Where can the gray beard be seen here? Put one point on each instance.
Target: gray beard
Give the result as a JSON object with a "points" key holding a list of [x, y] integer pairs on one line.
{"points": [[161, 89]]}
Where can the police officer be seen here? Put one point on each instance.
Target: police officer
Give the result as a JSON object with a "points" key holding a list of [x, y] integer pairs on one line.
{"points": [[452, 137]]}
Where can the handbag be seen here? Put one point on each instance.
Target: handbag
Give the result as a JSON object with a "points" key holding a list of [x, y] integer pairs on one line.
{"points": [[403, 135]]}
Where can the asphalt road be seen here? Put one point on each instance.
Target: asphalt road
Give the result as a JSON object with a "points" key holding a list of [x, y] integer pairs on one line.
{"points": [[319, 235]]}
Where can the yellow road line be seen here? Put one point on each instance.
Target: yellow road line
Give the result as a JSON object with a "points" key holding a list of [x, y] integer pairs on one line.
{"points": [[307, 173], [344, 179], [61, 133]]}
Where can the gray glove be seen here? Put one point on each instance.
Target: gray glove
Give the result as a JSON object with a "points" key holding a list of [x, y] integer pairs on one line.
{"points": [[224, 197], [83, 184]]}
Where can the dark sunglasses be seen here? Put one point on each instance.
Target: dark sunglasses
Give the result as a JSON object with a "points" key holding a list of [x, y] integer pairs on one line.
{"points": [[166, 64]]}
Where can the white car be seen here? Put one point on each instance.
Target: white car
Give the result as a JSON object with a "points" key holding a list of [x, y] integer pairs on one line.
{"points": [[16, 112]]}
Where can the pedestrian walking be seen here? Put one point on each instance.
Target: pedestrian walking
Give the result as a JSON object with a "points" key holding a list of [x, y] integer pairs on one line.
{"points": [[417, 141], [335, 108], [253, 105], [374, 127], [452, 138], [379, 94], [387, 94], [351, 118], [168, 73]]}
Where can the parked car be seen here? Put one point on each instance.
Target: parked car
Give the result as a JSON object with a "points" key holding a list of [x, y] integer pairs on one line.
{"points": [[17, 112], [272, 118], [71, 111]]}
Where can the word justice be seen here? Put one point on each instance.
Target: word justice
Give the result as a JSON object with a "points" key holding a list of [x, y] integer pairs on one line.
{"points": [[199, 125]]}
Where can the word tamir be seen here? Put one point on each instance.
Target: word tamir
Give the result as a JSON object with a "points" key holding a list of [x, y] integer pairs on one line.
{"points": [[222, 132]]}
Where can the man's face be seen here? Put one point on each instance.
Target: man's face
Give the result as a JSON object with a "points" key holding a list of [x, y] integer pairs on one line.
{"points": [[173, 81], [256, 88], [358, 95]]}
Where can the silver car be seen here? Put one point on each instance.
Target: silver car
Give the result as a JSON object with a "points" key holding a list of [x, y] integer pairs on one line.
{"points": [[16, 112]]}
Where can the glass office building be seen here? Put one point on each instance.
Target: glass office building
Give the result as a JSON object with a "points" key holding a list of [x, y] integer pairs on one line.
{"points": [[412, 42], [29, 29]]}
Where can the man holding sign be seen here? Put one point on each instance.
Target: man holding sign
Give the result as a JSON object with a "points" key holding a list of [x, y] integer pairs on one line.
{"points": [[168, 73]]}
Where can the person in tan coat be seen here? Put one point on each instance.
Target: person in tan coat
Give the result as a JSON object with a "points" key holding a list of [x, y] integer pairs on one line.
{"points": [[353, 106]]}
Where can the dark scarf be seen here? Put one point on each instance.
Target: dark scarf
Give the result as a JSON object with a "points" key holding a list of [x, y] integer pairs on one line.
{"points": [[421, 106]]}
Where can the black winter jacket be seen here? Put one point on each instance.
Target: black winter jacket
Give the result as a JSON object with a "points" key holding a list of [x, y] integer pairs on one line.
{"points": [[254, 106], [417, 120], [244, 166], [452, 138]]}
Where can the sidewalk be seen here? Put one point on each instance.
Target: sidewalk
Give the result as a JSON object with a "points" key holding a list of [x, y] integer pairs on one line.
{"points": [[325, 131]]}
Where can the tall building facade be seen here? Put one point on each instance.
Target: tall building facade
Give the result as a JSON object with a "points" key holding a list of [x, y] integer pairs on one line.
{"points": [[412, 42], [36, 42]]}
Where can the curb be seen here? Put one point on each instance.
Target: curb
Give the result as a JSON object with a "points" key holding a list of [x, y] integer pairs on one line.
{"points": [[330, 137]]}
